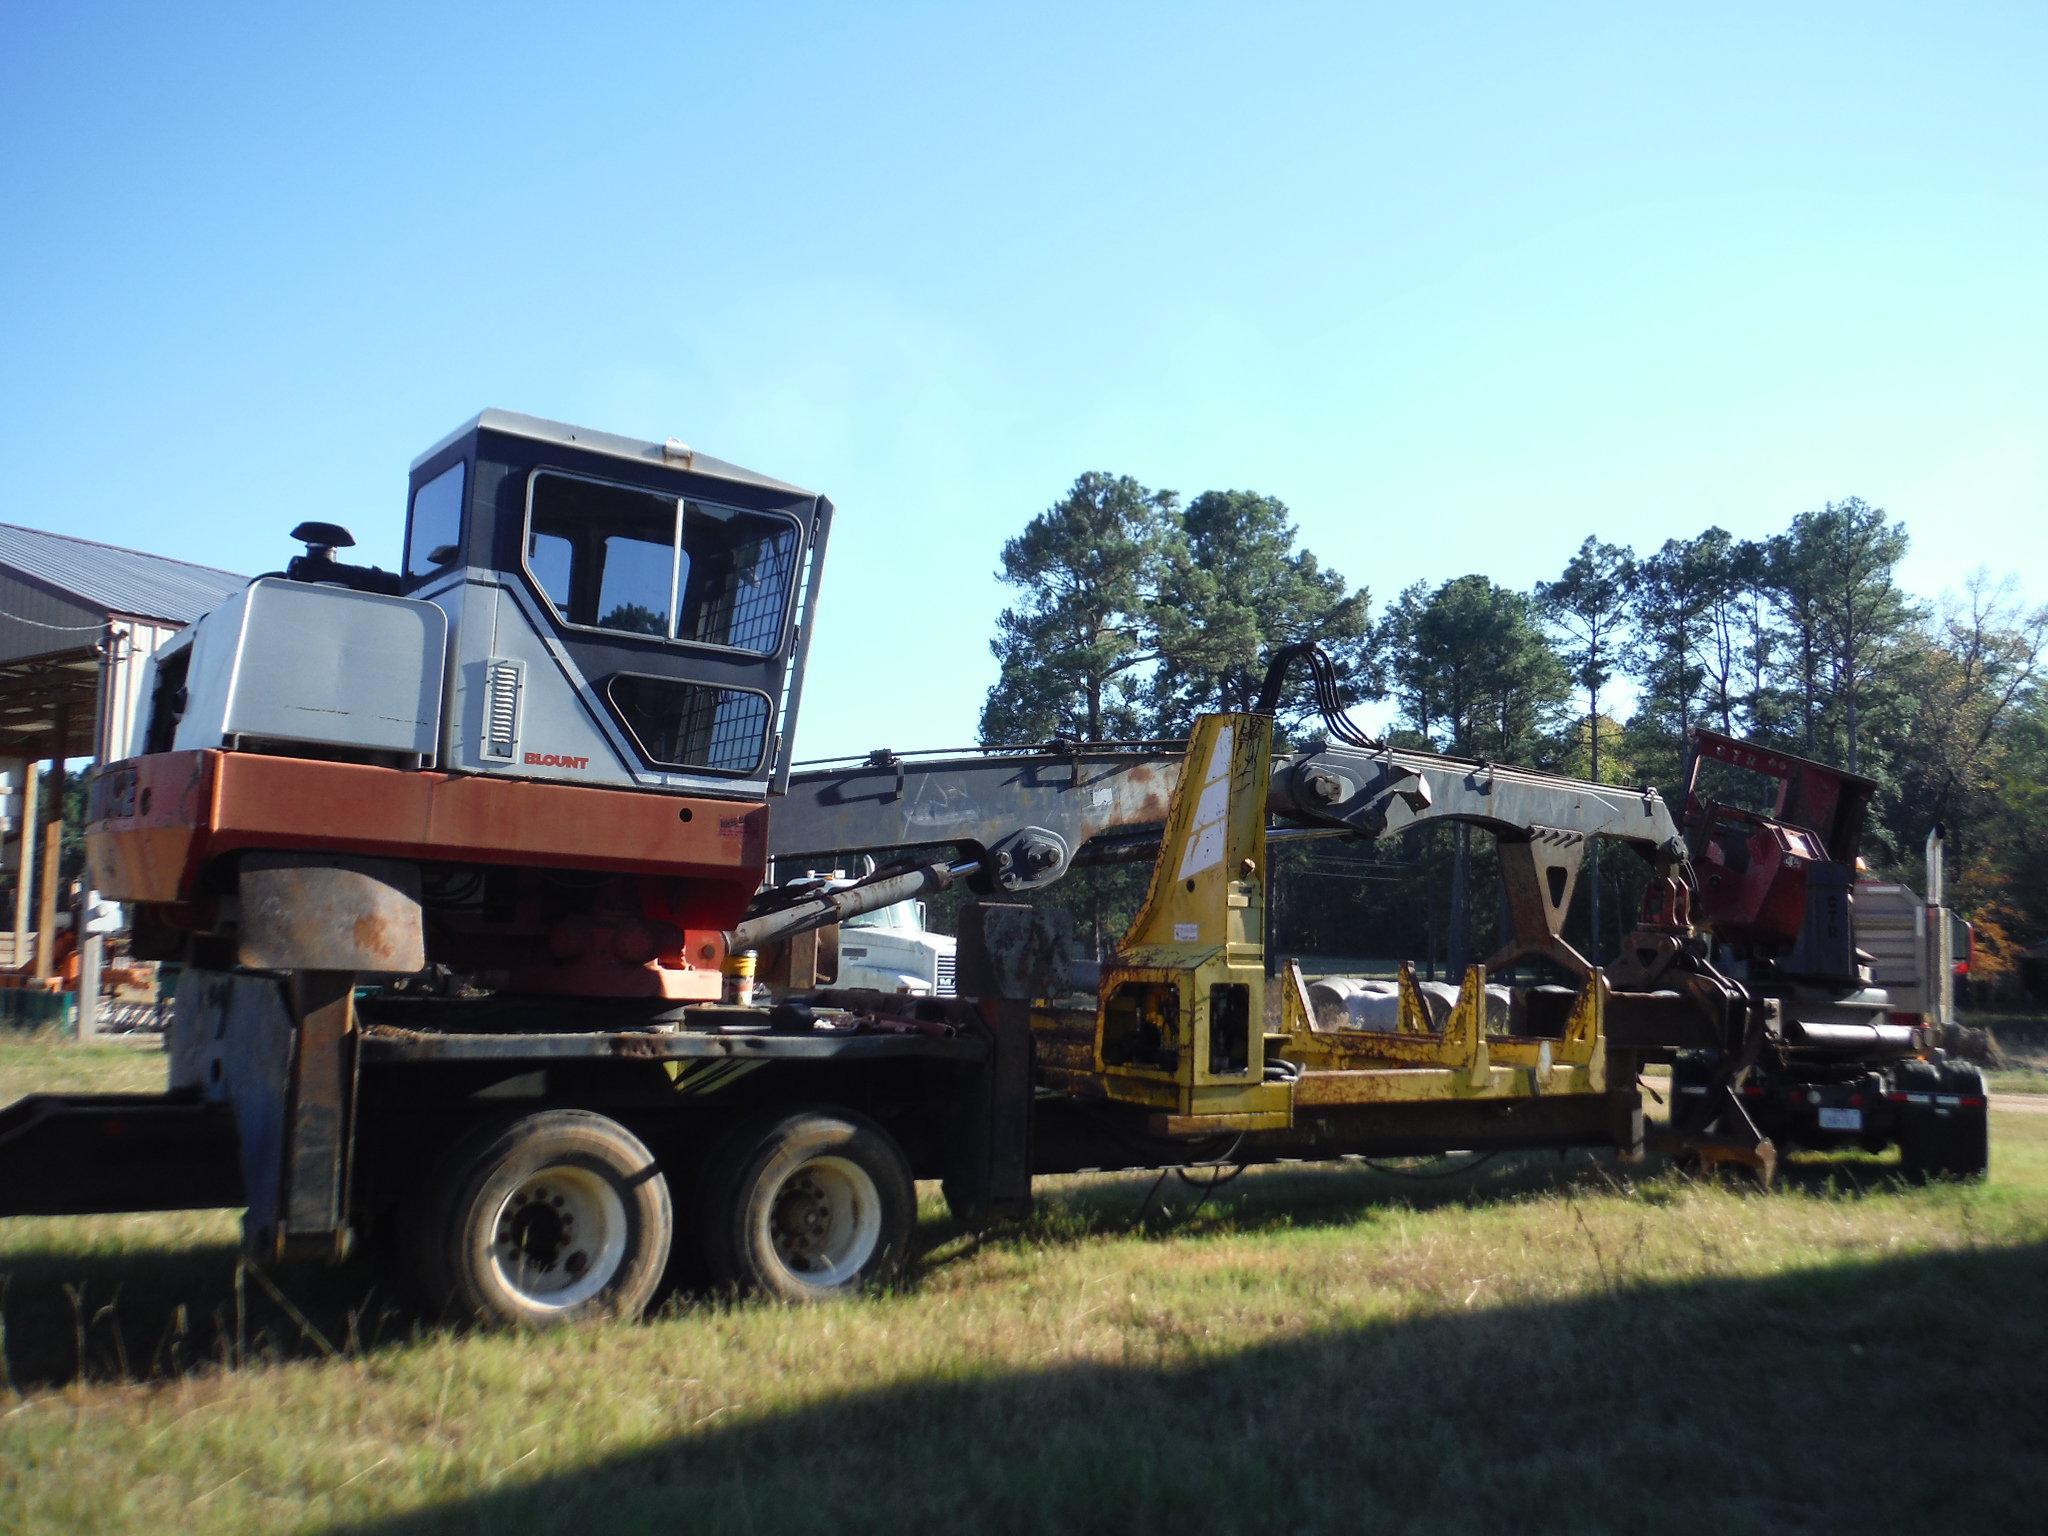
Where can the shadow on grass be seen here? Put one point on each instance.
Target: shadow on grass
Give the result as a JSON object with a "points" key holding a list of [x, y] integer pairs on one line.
{"points": [[1857, 1396], [152, 1312], [1283, 1196], [1340, 1194], [148, 1313]]}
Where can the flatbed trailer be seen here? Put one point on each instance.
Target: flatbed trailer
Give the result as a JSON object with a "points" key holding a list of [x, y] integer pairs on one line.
{"points": [[528, 1159], [949, 1092]]}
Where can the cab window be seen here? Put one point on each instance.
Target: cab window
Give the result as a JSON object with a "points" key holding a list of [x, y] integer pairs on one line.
{"points": [[434, 540], [633, 561], [693, 725]]}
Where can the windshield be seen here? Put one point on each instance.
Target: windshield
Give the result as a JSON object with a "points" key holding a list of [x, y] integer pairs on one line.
{"points": [[900, 916], [619, 558]]}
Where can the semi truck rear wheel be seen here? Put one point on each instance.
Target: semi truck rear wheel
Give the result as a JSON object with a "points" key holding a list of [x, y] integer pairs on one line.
{"points": [[808, 1204], [556, 1217], [1945, 1130]]}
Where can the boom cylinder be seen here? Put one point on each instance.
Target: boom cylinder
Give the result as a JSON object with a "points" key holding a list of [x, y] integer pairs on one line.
{"points": [[815, 911]]}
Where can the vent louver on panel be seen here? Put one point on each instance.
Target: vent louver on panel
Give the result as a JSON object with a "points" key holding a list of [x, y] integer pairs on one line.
{"points": [[502, 681]]}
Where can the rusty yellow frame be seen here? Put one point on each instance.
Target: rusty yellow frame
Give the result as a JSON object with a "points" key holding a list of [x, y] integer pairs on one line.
{"points": [[1462, 1061], [1203, 924]]}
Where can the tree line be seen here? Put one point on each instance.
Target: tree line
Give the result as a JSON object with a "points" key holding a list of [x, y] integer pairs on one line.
{"points": [[1134, 612]]}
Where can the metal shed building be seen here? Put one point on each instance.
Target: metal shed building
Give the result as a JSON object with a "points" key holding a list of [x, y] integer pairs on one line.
{"points": [[78, 620]]}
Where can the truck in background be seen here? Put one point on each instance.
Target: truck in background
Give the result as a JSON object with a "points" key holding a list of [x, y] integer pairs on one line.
{"points": [[891, 950], [1917, 947], [1862, 972], [884, 949]]}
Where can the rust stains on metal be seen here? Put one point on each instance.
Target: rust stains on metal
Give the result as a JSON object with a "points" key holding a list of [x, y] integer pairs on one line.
{"points": [[146, 825], [326, 912], [373, 935], [208, 803]]}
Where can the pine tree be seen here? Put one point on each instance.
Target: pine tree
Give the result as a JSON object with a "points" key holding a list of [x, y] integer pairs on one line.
{"points": [[1072, 650], [1838, 565], [1588, 606], [1475, 676], [1239, 589]]}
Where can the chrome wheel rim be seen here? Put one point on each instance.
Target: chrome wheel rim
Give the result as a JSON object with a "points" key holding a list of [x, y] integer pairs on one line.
{"points": [[823, 1221], [558, 1238]]}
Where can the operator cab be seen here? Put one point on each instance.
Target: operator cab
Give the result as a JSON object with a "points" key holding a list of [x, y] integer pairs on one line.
{"points": [[571, 606], [1777, 888], [620, 611]]}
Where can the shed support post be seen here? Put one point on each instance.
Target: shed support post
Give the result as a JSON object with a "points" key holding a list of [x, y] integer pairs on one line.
{"points": [[53, 848], [91, 948], [25, 865]]}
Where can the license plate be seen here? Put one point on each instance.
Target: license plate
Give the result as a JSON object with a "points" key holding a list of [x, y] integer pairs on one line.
{"points": [[1841, 1119]]}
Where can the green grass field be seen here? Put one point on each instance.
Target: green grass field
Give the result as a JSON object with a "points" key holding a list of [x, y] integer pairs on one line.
{"points": [[1544, 1344]]}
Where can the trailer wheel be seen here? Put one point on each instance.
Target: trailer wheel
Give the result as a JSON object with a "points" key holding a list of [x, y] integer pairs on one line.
{"points": [[808, 1205], [556, 1217]]}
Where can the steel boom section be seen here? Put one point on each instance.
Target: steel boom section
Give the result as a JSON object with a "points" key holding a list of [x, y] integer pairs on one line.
{"points": [[1027, 815]]}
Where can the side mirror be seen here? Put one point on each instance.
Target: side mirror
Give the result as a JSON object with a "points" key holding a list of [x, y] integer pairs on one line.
{"points": [[917, 913]]}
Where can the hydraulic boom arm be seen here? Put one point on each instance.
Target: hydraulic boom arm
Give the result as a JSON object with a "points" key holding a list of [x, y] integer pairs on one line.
{"points": [[1016, 821]]}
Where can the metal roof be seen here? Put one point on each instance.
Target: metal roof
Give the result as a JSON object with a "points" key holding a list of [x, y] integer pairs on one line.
{"points": [[124, 581], [670, 455]]}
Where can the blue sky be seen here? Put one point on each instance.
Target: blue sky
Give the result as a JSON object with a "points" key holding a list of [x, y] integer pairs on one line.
{"points": [[1461, 285]]}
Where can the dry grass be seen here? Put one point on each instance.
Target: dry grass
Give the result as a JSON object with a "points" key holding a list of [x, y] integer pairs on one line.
{"points": [[1542, 1345], [46, 1061], [2022, 1050]]}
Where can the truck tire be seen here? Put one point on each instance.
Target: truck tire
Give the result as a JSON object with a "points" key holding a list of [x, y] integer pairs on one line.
{"points": [[1938, 1140], [1916, 1080], [808, 1204], [1967, 1146], [551, 1218]]}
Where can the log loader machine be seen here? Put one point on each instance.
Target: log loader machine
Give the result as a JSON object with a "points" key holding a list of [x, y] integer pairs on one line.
{"points": [[1855, 1059], [455, 860]]}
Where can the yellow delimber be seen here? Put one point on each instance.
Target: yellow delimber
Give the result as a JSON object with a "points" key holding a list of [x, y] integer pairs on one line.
{"points": [[1179, 1021]]}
